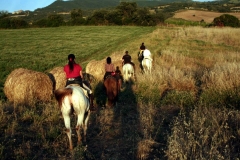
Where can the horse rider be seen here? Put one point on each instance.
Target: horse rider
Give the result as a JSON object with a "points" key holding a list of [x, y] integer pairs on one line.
{"points": [[142, 48], [127, 59], [147, 54], [74, 75], [109, 68]]}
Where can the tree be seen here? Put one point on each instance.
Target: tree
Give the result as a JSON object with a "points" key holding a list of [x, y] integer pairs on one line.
{"points": [[226, 20], [3, 14], [127, 9], [99, 17], [76, 14], [55, 20], [113, 17], [12, 23], [77, 17]]}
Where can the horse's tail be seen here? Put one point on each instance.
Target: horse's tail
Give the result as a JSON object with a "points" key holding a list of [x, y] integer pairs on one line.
{"points": [[61, 93], [111, 86]]}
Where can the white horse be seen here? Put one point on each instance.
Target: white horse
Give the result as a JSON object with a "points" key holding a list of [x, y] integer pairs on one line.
{"points": [[147, 65], [73, 99], [128, 72]]}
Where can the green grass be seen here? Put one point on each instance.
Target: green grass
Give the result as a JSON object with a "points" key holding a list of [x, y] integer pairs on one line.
{"points": [[182, 22], [42, 49]]}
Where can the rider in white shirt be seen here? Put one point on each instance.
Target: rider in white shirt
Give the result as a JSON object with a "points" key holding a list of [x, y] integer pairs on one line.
{"points": [[147, 54]]}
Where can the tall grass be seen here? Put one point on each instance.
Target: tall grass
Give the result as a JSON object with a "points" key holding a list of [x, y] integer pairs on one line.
{"points": [[196, 75]]}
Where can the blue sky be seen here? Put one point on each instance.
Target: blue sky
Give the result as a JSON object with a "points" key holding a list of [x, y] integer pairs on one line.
{"points": [[15, 5]]}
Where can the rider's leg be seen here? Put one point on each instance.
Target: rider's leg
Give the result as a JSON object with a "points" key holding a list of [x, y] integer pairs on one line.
{"points": [[89, 94]]}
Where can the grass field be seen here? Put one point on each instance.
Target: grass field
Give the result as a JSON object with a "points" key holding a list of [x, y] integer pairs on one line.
{"points": [[45, 48], [188, 108]]}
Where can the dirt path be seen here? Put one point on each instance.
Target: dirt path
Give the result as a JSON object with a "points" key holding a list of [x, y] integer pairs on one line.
{"points": [[112, 130]]}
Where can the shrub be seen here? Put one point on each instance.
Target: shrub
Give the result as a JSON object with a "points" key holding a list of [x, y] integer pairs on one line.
{"points": [[13, 23], [226, 20]]}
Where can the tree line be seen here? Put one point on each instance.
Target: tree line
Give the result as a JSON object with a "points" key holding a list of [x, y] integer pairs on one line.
{"points": [[126, 13]]}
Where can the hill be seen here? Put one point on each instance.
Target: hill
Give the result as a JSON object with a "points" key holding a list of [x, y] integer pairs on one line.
{"points": [[63, 6]]}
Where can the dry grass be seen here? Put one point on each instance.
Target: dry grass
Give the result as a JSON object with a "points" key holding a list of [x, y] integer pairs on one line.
{"points": [[193, 62], [206, 133], [223, 76]]}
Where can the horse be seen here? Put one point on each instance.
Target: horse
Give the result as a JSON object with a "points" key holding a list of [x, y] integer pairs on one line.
{"points": [[128, 72], [112, 90], [73, 99], [147, 65]]}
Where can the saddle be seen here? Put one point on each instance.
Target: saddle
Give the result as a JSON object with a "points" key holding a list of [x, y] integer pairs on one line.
{"points": [[109, 76], [148, 58], [84, 90]]}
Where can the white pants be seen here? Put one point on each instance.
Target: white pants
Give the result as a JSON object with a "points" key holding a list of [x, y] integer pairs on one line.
{"points": [[89, 91]]}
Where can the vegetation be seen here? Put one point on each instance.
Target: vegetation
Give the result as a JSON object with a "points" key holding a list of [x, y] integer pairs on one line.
{"points": [[188, 108], [44, 48], [109, 12], [226, 20]]}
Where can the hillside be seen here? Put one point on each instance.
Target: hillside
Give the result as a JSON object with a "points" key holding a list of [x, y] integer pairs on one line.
{"points": [[62, 6]]}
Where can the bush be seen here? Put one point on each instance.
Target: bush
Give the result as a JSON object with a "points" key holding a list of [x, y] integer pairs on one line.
{"points": [[226, 20], [13, 23], [51, 21]]}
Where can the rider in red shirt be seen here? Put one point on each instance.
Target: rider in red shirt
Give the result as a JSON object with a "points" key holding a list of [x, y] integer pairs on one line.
{"points": [[74, 75]]}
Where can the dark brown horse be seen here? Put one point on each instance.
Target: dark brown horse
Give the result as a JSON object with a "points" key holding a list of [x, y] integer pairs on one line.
{"points": [[112, 90]]}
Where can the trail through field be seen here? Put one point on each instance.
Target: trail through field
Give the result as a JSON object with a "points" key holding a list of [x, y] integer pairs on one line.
{"points": [[111, 133]]}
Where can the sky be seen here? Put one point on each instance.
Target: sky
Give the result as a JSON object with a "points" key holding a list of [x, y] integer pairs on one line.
{"points": [[15, 5]]}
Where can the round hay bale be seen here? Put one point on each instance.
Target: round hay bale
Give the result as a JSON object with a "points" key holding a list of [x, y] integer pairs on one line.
{"points": [[96, 69], [117, 60], [24, 86], [58, 77]]}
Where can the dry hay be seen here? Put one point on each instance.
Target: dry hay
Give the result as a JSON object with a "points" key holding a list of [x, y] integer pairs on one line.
{"points": [[24, 86], [58, 77], [96, 68]]}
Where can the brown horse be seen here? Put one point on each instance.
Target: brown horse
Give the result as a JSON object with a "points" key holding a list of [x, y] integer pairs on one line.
{"points": [[112, 90]]}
